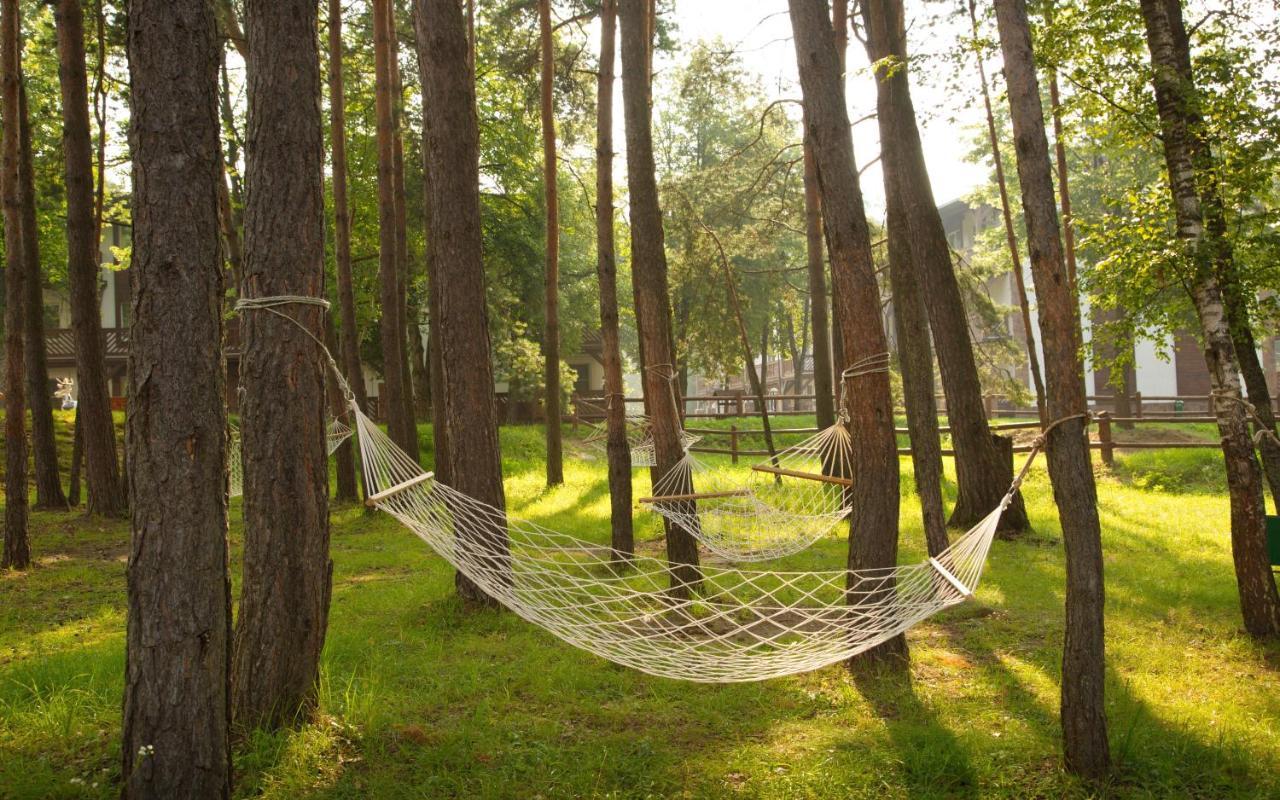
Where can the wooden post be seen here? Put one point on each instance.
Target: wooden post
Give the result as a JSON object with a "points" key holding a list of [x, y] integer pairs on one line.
{"points": [[1137, 404], [989, 404], [733, 438], [1104, 436], [741, 408]]}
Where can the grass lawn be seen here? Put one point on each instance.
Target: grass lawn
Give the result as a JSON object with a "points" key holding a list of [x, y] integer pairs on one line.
{"points": [[423, 699]]}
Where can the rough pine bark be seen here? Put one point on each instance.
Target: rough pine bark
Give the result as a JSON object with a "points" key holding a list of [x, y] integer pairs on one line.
{"points": [[1010, 232], [345, 469], [349, 336], [873, 528], [451, 153], [1084, 723], [284, 602], [177, 716], [435, 368], [886, 47], [649, 281], [391, 326], [551, 275], [1179, 124], [101, 469], [816, 253], [840, 28], [43, 442], [411, 328], [1060, 158], [77, 459], [617, 449], [419, 364], [17, 544], [983, 467]]}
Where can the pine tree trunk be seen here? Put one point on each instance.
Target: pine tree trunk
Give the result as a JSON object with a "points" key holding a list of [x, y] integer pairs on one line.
{"points": [[886, 43], [102, 470], [551, 277], [349, 338], [873, 530], [344, 455], [391, 325], [177, 718], [1084, 724], [451, 153], [840, 28], [983, 470], [77, 460], [435, 367], [230, 236], [1188, 159], [284, 602], [402, 232], [419, 364], [756, 380], [617, 449], [815, 250], [649, 282], [43, 441], [1010, 233], [17, 544], [1060, 156]]}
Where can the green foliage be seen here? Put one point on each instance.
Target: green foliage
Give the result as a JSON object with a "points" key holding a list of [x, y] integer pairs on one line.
{"points": [[1131, 267], [1131, 262], [730, 169]]}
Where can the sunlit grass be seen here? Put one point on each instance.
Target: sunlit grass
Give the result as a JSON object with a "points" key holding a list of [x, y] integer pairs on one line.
{"points": [[422, 698]]}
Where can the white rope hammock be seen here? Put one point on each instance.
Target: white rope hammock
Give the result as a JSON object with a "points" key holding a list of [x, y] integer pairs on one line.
{"points": [[744, 625], [786, 504], [639, 438], [738, 625]]}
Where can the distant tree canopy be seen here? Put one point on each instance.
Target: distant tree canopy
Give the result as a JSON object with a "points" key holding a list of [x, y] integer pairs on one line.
{"points": [[1131, 267]]}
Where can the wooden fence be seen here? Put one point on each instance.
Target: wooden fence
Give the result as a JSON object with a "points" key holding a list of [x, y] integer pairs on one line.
{"points": [[742, 404], [729, 442]]}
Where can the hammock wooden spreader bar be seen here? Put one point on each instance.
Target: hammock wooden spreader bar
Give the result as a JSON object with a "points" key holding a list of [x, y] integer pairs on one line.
{"points": [[676, 498], [374, 499], [808, 476], [964, 591]]}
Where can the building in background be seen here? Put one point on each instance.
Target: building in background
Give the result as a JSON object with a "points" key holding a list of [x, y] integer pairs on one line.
{"points": [[1164, 369]]}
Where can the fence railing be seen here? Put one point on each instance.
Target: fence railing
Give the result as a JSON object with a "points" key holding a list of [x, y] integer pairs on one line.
{"points": [[743, 404], [729, 441]]}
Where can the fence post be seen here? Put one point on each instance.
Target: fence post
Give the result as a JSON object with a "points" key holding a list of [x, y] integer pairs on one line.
{"points": [[733, 439], [1104, 437], [741, 410], [1137, 404], [989, 405]]}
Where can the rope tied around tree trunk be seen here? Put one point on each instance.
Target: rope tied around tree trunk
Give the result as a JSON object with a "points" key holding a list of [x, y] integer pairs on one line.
{"points": [[1264, 431], [272, 303], [870, 365]]}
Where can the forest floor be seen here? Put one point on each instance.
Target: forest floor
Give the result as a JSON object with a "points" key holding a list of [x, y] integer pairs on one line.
{"points": [[420, 698]]}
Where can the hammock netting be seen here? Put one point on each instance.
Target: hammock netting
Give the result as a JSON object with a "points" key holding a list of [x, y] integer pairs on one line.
{"points": [[728, 625], [639, 436], [786, 503], [737, 625]]}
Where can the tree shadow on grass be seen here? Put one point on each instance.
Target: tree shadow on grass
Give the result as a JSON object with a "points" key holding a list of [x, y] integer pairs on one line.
{"points": [[1152, 754], [933, 762]]}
